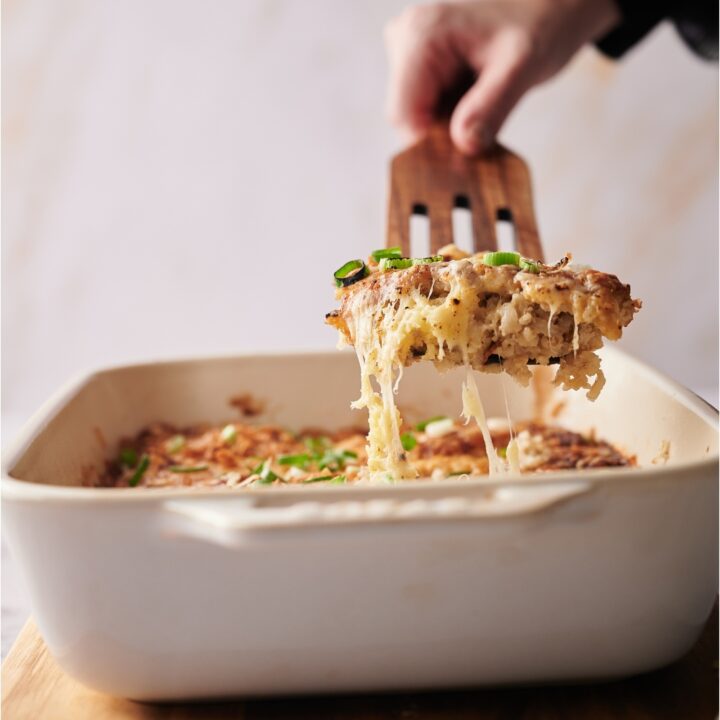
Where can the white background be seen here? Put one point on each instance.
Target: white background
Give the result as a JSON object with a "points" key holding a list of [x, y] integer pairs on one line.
{"points": [[182, 177]]}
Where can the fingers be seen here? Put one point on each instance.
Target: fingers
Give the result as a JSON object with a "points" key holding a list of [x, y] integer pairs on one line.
{"points": [[422, 65], [479, 115]]}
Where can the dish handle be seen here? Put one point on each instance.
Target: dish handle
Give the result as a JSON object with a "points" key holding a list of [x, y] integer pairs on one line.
{"points": [[227, 521]]}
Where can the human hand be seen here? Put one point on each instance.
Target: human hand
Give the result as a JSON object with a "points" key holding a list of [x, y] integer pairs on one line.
{"points": [[506, 46]]}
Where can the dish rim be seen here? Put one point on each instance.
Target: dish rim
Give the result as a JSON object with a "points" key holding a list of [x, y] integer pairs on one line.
{"points": [[17, 489]]}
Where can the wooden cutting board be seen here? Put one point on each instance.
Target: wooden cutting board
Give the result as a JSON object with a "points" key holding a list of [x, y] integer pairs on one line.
{"points": [[34, 688]]}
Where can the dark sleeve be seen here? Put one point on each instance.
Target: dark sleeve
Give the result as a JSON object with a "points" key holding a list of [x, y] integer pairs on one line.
{"points": [[695, 20]]}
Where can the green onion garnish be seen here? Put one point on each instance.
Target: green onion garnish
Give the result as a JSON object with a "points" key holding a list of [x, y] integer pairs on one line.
{"points": [[128, 457], [350, 272], [502, 452], [175, 444], [420, 427], [143, 465], [266, 475], [317, 445], [334, 479], [395, 263], [187, 468], [428, 260], [529, 265], [459, 472], [393, 252], [495, 259], [408, 441], [439, 427], [334, 460], [299, 461], [229, 434]]}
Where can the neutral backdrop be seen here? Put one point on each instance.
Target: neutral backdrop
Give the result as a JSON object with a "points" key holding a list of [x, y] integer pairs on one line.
{"points": [[175, 171]]}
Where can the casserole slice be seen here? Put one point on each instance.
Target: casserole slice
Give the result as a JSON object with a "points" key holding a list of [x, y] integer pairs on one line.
{"points": [[491, 317], [491, 311]]}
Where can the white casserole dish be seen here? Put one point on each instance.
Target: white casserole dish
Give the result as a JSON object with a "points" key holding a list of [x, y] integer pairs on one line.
{"points": [[177, 594]]}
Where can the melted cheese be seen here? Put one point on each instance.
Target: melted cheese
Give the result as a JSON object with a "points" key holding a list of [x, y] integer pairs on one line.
{"points": [[473, 409], [383, 337]]}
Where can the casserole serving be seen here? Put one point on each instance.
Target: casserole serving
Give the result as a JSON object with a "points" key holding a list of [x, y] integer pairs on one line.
{"points": [[177, 593]]}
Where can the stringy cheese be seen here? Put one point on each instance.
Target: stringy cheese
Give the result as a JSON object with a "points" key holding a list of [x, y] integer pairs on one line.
{"points": [[383, 337]]}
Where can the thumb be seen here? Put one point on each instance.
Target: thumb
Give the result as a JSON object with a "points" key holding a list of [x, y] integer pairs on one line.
{"points": [[478, 116]]}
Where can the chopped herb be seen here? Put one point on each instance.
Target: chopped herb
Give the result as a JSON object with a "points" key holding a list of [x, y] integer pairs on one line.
{"points": [[187, 468], [502, 452], [334, 460], [175, 444], [128, 457], [495, 259], [334, 479], [393, 252], [299, 461], [350, 272], [143, 465], [265, 475], [229, 434], [428, 260], [459, 472], [322, 453], [438, 428], [395, 263], [529, 265], [408, 441], [317, 445], [420, 427]]}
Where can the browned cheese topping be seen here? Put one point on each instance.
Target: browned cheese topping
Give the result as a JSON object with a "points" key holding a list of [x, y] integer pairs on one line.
{"points": [[258, 455]]}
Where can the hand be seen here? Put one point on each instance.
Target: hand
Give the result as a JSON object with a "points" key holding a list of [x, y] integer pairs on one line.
{"points": [[507, 46]]}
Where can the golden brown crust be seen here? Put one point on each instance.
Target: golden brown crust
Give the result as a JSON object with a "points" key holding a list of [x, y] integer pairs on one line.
{"points": [[459, 451], [465, 312], [605, 300]]}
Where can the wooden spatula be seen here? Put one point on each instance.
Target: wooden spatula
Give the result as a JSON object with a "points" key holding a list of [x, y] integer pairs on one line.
{"points": [[432, 178]]}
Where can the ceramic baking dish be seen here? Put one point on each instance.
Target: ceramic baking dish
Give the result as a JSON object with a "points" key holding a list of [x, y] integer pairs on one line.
{"points": [[169, 594]]}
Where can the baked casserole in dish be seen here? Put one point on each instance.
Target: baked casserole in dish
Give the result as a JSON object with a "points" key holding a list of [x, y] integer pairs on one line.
{"points": [[186, 591]]}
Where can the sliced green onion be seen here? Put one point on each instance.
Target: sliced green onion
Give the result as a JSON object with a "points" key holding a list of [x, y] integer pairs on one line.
{"points": [[334, 460], [229, 434], [393, 252], [395, 263], [529, 265], [350, 272], [440, 427], [266, 475], [128, 457], [502, 452], [175, 444], [496, 259], [428, 260], [299, 461], [408, 441], [143, 465], [460, 472], [334, 479], [317, 445], [187, 468], [420, 427]]}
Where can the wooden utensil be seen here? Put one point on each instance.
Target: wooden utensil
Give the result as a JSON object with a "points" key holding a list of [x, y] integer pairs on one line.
{"points": [[432, 177]]}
